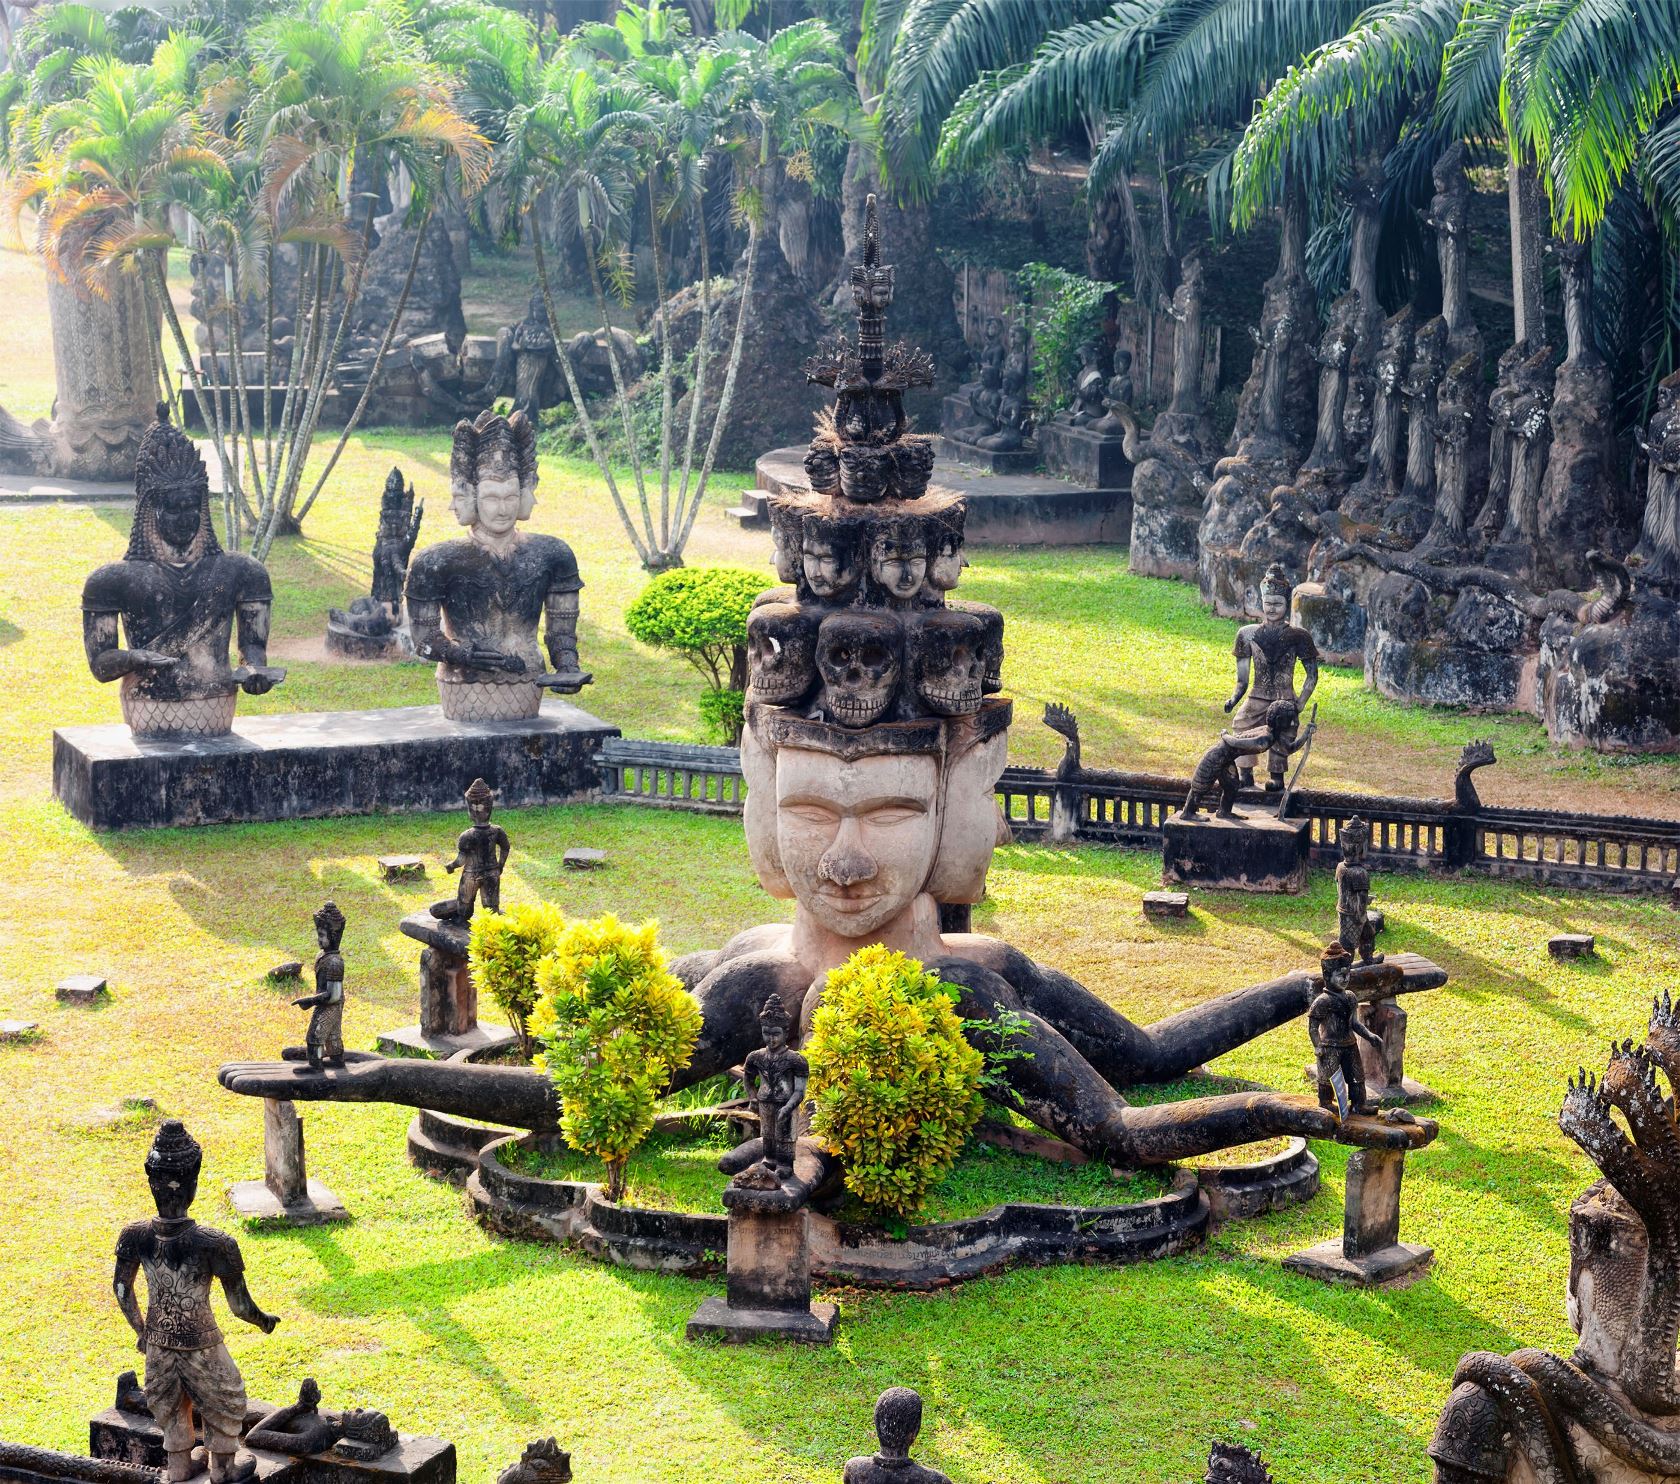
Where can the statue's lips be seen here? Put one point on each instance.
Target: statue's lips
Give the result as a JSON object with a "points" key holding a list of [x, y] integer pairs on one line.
{"points": [[843, 899]]}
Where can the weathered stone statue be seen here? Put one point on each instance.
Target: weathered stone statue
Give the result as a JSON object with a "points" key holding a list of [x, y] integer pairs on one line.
{"points": [[1383, 475], [1327, 467], [1267, 654], [1226, 764], [533, 380], [1408, 515], [175, 598], [1604, 1415], [1229, 1463], [1656, 555], [898, 1418], [1507, 394], [1011, 433], [324, 1040], [1458, 418], [1088, 389], [481, 852], [299, 1429], [543, 1462], [1333, 1022], [1353, 893], [775, 1081], [188, 1369], [370, 627], [1185, 421], [1527, 415], [474, 604], [1449, 217]]}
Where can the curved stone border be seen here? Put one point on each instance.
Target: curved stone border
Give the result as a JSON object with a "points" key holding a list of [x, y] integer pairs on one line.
{"points": [[1237, 1192]]}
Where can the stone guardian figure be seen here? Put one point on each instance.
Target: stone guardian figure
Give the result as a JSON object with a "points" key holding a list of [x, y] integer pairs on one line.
{"points": [[474, 604], [1267, 654], [775, 1079], [188, 1368]]}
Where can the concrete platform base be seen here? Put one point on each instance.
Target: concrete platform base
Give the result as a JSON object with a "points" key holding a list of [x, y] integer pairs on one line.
{"points": [[253, 1200], [813, 1326], [411, 1040], [1329, 1263], [1256, 852]]}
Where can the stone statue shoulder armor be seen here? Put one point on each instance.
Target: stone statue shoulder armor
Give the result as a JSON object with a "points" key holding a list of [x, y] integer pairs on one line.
{"points": [[222, 1251], [560, 560], [134, 1242]]}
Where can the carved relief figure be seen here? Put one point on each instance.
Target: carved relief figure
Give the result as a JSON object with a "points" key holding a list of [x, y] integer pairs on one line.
{"points": [[1228, 763]]}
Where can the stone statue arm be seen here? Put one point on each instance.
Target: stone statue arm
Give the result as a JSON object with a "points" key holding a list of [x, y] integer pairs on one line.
{"points": [[322, 996], [1309, 679], [1242, 745], [242, 1306], [255, 675], [515, 1096], [1243, 666], [561, 638], [504, 848], [413, 530], [796, 1094], [1365, 1033], [425, 622], [122, 1284], [107, 658]]}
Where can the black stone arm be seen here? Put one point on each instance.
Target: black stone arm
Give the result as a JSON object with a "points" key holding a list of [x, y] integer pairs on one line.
{"points": [[1242, 683], [242, 1306], [255, 675], [105, 655], [561, 639], [425, 622], [515, 1096], [122, 1285], [1309, 680]]}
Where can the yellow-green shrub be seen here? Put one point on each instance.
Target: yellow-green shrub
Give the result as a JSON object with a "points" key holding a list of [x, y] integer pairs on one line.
{"points": [[615, 1023], [895, 1086], [504, 952]]}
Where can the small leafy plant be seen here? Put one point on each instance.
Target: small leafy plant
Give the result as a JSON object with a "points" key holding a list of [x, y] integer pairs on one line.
{"points": [[615, 1023], [1064, 310], [504, 952], [894, 1083], [701, 613]]}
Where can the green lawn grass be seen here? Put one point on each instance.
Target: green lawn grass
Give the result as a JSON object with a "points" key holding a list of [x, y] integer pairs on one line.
{"points": [[1061, 1376]]}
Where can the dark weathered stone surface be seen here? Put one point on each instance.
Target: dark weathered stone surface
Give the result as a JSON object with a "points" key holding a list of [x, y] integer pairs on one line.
{"points": [[402, 867], [1166, 904], [1570, 945], [717, 1319], [81, 989], [1022, 459], [314, 764], [286, 1195], [17, 1030], [583, 858], [1256, 853], [1238, 1192], [1084, 456]]}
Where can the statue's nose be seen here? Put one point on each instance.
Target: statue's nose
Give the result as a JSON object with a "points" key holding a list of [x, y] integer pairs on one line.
{"points": [[845, 863]]}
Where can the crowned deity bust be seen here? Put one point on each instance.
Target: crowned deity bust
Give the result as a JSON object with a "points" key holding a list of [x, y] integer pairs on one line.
{"points": [[161, 619], [474, 604]]}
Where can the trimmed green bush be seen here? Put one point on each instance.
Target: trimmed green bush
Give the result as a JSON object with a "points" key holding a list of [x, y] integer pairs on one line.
{"points": [[615, 1023], [701, 613], [504, 952], [894, 1084]]}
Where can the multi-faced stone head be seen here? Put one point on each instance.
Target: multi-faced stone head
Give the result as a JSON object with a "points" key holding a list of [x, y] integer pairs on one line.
{"points": [[945, 550], [830, 558], [785, 522], [172, 1167], [859, 656], [945, 661], [493, 472], [898, 558], [781, 653]]}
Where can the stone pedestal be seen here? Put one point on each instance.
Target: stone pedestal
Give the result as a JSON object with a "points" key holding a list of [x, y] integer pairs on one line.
{"points": [[995, 461], [448, 996], [769, 1276], [1095, 460], [309, 765], [1385, 1069], [285, 1193], [1369, 1250], [1256, 852]]}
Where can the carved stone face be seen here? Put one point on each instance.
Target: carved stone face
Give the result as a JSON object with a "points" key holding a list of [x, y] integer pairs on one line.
{"points": [[858, 656], [781, 653], [784, 533], [991, 648], [498, 505], [830, 561], [1274, 605], [172, 1194], [856, 840], [945, 562], [898, 562], [178, 513], [945, 662], [1337, 973]]}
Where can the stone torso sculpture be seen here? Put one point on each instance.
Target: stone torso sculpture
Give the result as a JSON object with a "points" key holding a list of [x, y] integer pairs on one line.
{"points": [[481, 853], [188, 1368], [1353, 893], [324, 1040], [474, 604], [898, 1419], [161, 619], [1267, 654], [1332, 1024]]}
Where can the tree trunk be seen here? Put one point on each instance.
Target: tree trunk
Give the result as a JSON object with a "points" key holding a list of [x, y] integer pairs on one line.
{"points": [[1105, 238], [1528, 224]]}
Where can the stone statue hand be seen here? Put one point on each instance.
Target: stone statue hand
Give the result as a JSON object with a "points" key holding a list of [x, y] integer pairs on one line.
{"points": [[145, 659], [565, 680], [494, 659], [258, 680], [267, 1322], [1231, 705]]}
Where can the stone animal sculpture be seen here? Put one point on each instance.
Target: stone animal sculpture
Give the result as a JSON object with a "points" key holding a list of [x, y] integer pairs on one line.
{"points": [[1605, 1415]]}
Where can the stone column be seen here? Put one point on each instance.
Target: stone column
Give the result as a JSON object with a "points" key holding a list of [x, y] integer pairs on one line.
{"points": [[768, 1286], [448, 996], [1385, 1069], [1369, 1250], [1528, 267], [285, 1194]]}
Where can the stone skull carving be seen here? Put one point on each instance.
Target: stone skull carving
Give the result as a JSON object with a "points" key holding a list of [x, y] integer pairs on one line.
{"points": [[945, 661], [991, 643], [859, 658], [781, 653]]}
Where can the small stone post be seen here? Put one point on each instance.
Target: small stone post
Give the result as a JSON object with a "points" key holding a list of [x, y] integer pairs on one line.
{"points": [[1369, 1250], [285, 1193], [1385, 1070], [768, 1287]]}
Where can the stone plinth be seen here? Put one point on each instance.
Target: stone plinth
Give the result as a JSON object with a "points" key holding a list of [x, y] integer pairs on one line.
{"points": [[1571, 945], [311, 765], [1096, 460], [1369, 1250], [81, 989], [1256, 852], [1166, 904], [1022, 460], [448, 996], [768, 1286], [1385, 1069], [285, 1194]]}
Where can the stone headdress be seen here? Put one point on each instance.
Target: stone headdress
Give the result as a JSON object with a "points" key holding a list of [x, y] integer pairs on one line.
{"points": [[174, 1154], [1277, 581], [1355, 832], [493, 447], [774, 1012], [479, 792], [330, 921], [167, 461], [1335, 955]]}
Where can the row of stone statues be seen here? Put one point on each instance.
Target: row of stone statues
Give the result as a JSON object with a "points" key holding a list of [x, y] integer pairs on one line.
{"points": [[160, 621]]}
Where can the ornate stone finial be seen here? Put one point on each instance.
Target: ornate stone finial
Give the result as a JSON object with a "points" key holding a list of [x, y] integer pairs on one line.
{"points": [[174, 1153], [330, 921], [774, 1012], [543, 1462], [168, 463]]}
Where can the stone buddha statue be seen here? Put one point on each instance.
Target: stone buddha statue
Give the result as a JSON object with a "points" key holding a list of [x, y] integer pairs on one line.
{"points": [[474, 604], [161, 619]]}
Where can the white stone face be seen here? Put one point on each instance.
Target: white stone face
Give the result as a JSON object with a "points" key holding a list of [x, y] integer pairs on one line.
{"points": [[856, 841], [499, 502]]}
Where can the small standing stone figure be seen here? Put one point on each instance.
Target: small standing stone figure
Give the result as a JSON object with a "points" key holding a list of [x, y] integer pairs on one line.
{"points": [[188, 1368], [776, 1077], [898, 1418], [324, 1040], [481, 851], [1267, 654], [1353, 893], [399, 528], [1332, 1023], [1222, 764]]}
